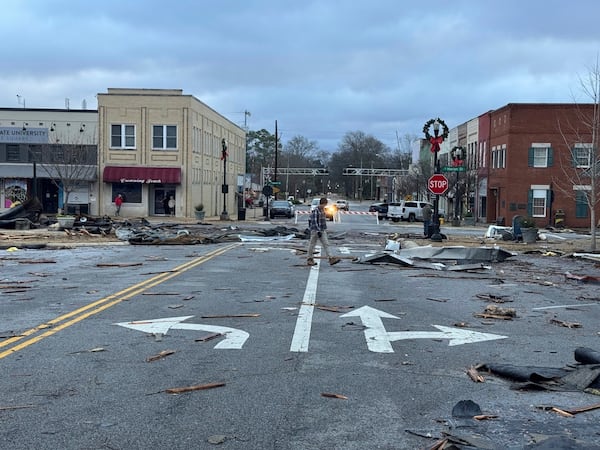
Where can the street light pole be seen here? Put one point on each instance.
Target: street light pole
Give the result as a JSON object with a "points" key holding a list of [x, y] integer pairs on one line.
{"points": [[435, 141], [224, 187]]}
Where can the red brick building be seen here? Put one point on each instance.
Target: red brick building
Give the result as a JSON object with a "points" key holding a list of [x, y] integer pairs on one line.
{"points": [[536, 157]]}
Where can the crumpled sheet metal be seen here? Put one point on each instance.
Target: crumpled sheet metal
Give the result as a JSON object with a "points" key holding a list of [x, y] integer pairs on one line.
{"points": [[437, 258]]}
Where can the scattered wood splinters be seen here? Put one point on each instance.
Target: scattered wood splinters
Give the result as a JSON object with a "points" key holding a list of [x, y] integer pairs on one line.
{"points": [[331, 395], [562, 323], [224, 316], [441, 300], [475, 375], [161, 355], [118, 264], [7, 408], [485, 417], [209, 337], [197, 387]]}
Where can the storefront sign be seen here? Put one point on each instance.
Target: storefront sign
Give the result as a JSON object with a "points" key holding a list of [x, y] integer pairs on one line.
{"points": [[137, 180], [14, 135]]}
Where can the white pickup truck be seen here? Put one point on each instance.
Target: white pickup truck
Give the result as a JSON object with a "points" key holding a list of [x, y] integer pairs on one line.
{"points": [[406, 210]]}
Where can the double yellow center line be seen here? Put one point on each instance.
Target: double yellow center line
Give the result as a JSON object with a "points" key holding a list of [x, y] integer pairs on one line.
{"points": [[42, 331]]}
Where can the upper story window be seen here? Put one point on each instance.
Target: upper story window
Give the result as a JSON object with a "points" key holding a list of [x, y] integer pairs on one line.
{"points": [[164, 137], [540, 155], [582, 155], [499, 156], [122, 136]]}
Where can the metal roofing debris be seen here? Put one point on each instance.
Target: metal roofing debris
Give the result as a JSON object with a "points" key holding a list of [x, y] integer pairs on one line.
{"points": [[439, 258]]}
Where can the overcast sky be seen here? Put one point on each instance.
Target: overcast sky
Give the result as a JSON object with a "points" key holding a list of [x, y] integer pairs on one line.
{"points": [[320, 68]]}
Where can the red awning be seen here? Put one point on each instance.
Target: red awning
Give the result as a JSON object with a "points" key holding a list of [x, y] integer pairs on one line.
{"points": [[147, 175]]}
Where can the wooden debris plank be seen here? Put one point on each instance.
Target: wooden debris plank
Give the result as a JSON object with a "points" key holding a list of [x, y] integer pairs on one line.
{"points": [[209, 337], [331, 395], [224, 316], [161, 355], [197, 387], [119, 264]]}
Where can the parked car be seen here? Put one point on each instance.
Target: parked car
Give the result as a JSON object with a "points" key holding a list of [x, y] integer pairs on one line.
{"points": [[281, 208], [380, 208], [407, 210], [342, 205], [330, 209]]}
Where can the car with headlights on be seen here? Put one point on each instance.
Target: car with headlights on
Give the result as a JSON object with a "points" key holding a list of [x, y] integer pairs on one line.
{"points": [[279, 208], [330, 208]]}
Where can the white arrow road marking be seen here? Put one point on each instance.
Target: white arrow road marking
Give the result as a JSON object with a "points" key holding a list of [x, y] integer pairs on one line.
{"points": [[375, 334], [457, 336], [379, 340], [234, 338]]}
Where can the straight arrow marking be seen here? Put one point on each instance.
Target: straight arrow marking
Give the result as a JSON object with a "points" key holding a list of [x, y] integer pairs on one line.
{"points": [[379, 340], [375, 334]]}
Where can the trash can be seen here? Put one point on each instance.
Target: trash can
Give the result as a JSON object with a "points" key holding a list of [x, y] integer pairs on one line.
{"points": [[241, 214], [559, 218], [500, 221]]}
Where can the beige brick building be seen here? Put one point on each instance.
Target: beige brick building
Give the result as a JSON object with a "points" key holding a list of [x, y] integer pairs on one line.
{"points": [[156, 145]]}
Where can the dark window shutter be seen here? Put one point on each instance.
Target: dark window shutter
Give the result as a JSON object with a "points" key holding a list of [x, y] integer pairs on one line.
{"points": [[530, 158], [550, 156]]}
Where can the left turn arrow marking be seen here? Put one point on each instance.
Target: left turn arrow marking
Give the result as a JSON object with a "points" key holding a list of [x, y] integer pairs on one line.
{"points": [[234, 338]]}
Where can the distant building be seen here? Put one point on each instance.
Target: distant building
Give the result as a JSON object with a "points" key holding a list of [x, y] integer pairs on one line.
{"points": [[157, 144], [528, 160], [28, 136]]}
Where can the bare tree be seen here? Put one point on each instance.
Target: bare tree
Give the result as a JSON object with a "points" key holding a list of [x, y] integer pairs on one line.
{"points": [[581, 173], [68, 166]]}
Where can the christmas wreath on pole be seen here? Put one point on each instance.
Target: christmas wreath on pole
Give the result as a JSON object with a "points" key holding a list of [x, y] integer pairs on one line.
{"points": [[435, 141]]}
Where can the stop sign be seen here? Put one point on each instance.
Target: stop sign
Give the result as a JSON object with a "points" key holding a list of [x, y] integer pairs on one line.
{"points": [[438, 184]]}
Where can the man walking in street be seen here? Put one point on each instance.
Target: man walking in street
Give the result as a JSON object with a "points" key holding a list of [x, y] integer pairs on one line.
{"points": [[317, 224]]}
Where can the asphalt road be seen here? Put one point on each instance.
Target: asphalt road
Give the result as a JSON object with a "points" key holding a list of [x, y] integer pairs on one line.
{"points": [[351, 356]]}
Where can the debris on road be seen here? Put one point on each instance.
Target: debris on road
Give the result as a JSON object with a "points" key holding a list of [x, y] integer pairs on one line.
{"points": [[197, 387], [224, 316], [583, 278], [330, 395], [495, 312], [119, 264], [583, 377], [495, 298], [562, 323], [22, 215], [208, 337], [161, 355], [440, 258], [475, 375]]}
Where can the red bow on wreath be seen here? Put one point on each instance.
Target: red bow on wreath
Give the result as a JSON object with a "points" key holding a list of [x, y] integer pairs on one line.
{"points": [[224, 155], [435, 143]]}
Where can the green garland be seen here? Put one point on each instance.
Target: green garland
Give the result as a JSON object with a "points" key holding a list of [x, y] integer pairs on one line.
{"points": [[428, 125]]}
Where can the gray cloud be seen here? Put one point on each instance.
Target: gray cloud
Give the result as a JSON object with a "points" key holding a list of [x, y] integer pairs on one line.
{"points": [[320, 68]]}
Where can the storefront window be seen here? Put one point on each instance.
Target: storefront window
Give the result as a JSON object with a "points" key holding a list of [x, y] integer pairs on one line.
{"points": [[131, 192]]}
